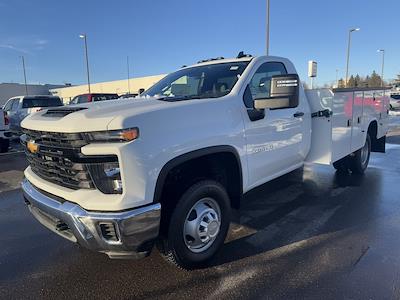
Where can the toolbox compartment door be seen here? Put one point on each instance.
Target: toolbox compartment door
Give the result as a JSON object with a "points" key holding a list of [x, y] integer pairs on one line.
{"points": [[331, 133]]}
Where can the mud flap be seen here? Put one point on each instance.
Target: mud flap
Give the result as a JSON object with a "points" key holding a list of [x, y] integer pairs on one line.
{"points": [[379, 145]]}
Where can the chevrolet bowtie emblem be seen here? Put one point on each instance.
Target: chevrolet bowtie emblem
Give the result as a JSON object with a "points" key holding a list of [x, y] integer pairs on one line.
{"points": [[32, 147]]}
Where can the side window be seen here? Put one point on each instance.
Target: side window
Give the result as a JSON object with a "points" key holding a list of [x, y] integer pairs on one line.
{"points": [[260, 83], [82, 99], [14, 106]]}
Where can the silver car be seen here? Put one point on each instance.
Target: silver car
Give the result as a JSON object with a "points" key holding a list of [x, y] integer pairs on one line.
{"points": [[395, 101], [17, 108]]}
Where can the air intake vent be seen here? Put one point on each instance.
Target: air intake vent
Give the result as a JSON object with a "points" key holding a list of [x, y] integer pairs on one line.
{"points": [[62, 112], [109, 232]]}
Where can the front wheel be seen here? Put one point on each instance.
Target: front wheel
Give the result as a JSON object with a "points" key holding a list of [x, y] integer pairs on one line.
{"points": [[198, 225], [359, 162]]}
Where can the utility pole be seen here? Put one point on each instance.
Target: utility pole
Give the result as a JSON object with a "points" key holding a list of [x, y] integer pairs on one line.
{"points": [[383, 64], [83, 36], [127, 65], [348, 53], [23, 67], [268, 23]]}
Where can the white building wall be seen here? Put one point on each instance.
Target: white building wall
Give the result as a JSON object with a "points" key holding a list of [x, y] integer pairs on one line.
{"points": [[9, 90]]}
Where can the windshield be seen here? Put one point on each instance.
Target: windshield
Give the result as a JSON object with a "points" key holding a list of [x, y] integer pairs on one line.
{"points": [[210, 81], [41, 102]]}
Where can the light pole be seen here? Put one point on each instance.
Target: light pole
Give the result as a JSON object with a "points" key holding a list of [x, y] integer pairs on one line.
{"points": [[83, 36], [23, 67], [267, 37], [348, 53], [383, 64], [337, 82], [127, 65]]}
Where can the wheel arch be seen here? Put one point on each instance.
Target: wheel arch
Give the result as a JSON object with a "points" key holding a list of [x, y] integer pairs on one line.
{"points": [[235, 192]]}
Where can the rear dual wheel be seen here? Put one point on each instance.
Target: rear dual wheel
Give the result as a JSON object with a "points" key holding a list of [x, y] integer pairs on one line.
{"points": [[357, 162]]}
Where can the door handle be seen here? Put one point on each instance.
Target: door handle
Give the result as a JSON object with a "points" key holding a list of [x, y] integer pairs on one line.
{"points": [[298, 114]]}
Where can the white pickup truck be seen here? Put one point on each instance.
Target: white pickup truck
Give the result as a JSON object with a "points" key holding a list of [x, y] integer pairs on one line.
{"points": [[117, 176], [5, 133]]}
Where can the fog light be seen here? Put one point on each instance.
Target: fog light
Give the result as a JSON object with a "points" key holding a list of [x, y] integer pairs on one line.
{"points": [[109, 231]]}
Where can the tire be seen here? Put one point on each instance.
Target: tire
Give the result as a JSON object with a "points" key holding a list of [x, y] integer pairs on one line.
{"points": [[4, 145], [360, 159], [207, 202]]}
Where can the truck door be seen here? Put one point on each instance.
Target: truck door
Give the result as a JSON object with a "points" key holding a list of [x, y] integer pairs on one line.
{"points": [[274, 137]]}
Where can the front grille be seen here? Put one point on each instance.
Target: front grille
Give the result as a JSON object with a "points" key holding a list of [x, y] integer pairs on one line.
{"points": [[59, 159], [56, 139]]}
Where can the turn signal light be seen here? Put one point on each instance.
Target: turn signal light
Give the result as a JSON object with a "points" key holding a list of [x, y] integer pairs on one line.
{"points": [[130, 134]]}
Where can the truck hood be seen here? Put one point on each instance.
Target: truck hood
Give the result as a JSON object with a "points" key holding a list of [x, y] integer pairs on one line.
{"points": [[91, 116]]}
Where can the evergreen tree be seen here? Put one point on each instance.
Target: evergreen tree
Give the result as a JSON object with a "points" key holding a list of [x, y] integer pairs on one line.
{"points": [[396, 82], [375, 80], [351, 82], [366, 81], [357, 81]]}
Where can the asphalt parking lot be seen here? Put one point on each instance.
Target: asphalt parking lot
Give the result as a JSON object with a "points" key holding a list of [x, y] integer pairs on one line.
{"points": [[310, 234]]}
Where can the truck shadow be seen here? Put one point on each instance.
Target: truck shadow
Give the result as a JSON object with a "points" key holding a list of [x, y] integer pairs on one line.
{"points": [[293, 208]]}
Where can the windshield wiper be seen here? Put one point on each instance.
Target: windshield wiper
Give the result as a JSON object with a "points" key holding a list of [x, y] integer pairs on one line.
{"points": [[176, 98], [179, 98]]}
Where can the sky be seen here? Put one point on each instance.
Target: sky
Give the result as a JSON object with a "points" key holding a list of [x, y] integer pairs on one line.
{"points": [[160, 36]]}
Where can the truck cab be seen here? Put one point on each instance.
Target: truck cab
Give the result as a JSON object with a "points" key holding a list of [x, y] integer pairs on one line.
{"points": [[117, 176]]}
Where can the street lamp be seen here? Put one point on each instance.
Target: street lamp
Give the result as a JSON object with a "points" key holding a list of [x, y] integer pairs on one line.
{"points": [[127, 65], [83, 36], [267, 37], [337, 82], [23, 67], [383, 63], [348, 53]]}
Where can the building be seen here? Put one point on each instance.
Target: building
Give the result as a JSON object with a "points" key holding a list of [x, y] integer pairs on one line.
{"points": [[9, 90], [119, 87]]}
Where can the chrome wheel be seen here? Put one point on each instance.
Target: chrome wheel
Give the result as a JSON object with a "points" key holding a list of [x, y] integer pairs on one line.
{"points": [[364, 153], [202, 225]]}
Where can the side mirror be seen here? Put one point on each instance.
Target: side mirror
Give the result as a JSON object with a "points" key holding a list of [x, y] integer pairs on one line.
{"points": [[284, 93]]}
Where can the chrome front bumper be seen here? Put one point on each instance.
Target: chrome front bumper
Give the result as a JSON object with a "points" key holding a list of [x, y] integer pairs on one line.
{"points": [[132, 232]]}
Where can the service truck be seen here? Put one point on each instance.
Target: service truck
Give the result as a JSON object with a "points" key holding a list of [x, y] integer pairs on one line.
{"points": [[166, 169]]}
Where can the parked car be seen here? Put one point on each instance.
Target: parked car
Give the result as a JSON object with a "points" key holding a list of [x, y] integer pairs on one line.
{"points": [[127, 96], [119, 177], [5, 133], [17, 108], [395, 101], [93, 97]]}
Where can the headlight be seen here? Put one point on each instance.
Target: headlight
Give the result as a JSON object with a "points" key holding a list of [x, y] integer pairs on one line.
{"points": [[123, 135], [107, 177]]}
